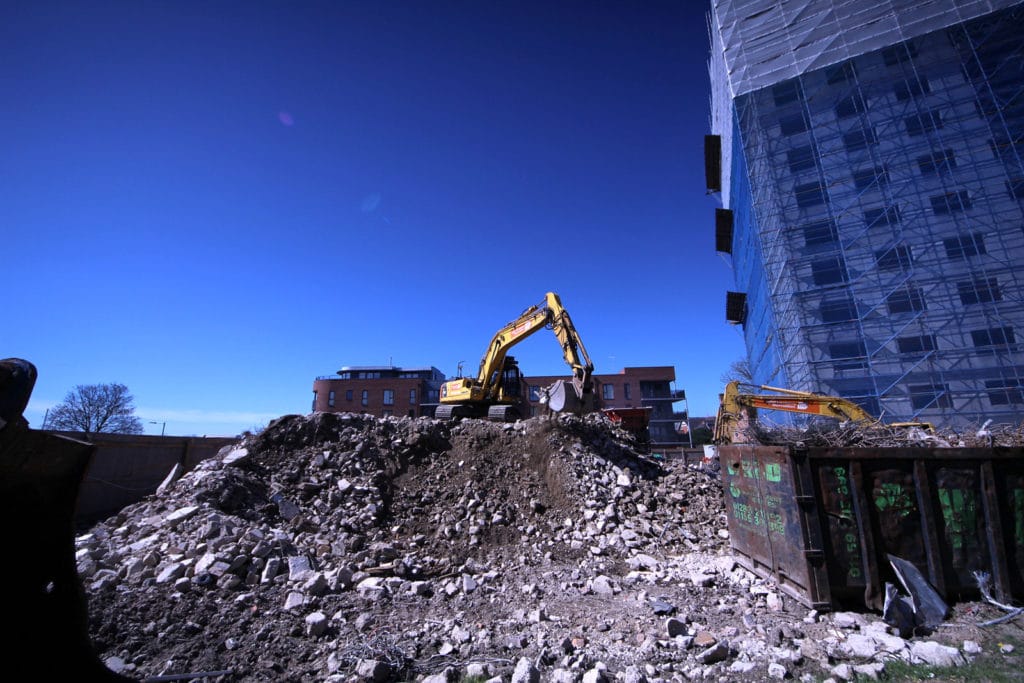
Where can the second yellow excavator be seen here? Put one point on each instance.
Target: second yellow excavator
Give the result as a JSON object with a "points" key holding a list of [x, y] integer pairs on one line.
{"points": [[735, 402], [496, 391]]}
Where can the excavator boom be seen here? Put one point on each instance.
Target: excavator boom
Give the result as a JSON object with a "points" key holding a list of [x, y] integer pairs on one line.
{"points": [[496, 386]]}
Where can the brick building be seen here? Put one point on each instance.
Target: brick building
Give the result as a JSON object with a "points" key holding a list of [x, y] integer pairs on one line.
{"points": [[388, 390], [379, 390], [645, 387]]}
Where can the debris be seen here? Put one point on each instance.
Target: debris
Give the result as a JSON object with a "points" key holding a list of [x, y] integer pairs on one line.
{"points": [[345, 547]]}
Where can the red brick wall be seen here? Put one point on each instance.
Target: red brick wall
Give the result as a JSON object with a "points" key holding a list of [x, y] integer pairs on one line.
{"points": [[375, 396]]}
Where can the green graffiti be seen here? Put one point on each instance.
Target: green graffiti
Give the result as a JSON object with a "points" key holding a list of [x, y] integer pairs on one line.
{"points": [[735, 491], [1018, 516], [959, 512], [893, 497], [773, 472]]}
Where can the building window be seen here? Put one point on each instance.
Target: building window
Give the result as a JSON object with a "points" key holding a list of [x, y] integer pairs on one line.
{"points": [[899, 54], [625, 391], [330, 399], [389, 397], [828, 271], [849, 350], [897, 257], [810, 194], [1016, 187], [922, 123], [937, 163], [820, 233], [608, 391], [889, 215], [387, 412], [868, 177], [962, 246], [838, 310], [366, 397], [1002, 392], [918, 345], [348, 394], [534, 392], [930, 396], [841, 73], [850, 106], [314, 400], [786, 92], [791, 125], [859, 139], [979, 291], [906, 299], [412, 396], [951, 202], [801, 158], [994, 336], [915, 86]]}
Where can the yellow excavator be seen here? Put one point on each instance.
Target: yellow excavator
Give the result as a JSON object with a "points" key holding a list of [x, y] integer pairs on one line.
{"points": [[736, 401], [496, 391]]}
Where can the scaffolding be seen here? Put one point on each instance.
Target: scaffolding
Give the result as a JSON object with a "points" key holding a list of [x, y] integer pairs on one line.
{"points": [[878, 205]]}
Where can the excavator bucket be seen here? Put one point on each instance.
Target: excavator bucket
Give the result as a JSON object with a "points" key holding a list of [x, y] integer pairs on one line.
{"points": [[39, 478], [562, 397]]}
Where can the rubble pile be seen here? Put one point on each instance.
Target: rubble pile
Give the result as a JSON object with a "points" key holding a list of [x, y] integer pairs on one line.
{"points": [[831, 434], [345, 547]]}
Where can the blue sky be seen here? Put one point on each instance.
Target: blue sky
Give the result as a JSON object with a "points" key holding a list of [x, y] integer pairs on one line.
{"points": [[216, 202]]}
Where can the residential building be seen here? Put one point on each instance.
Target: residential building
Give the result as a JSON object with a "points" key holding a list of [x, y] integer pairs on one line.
{"points": [[642, 387], [388, 390], [379, 390], [870, 162]]}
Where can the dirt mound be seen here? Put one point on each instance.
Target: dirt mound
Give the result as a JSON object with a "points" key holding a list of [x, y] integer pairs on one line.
{"points": [[345, 547]]}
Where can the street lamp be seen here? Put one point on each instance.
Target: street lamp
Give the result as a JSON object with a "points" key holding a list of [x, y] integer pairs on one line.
{"points": [[163, 425]]}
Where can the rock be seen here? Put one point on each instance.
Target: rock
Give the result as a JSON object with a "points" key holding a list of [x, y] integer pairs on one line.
{"points": [[774, 602], [930, 653], [562, 676], [593, 676], [372, 670], [316, 624], [848, 620], [115, 664], [299, 568], [777, 670], [675, 627], [742, 666], [602, 585], [171, 573], [970, 647], [859, 647], [662, 607], [641, 562], [718, 652], [870, 671], [294, 600], [181, 514], [525, 672], [478, 670], [236, 456]]}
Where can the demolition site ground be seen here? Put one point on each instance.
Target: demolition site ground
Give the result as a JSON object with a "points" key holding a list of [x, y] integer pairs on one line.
{"points": [[338, 547]]}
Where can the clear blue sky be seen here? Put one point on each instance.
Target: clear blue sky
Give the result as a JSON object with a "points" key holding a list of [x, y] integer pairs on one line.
{"points": [[215, 202]]}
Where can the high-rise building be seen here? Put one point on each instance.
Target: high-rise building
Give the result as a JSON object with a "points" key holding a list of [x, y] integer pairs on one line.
{"points": [[869, 156]]}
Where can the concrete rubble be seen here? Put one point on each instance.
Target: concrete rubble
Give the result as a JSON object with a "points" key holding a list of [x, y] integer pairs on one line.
{"points": [[345, 547]]}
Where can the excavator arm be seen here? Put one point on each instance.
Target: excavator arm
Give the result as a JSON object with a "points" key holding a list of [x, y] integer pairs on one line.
{"points": [[734, 403], [497, 369]]}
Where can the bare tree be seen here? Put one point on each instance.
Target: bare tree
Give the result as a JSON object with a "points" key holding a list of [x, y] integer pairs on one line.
{"points": [[94, 408], [738, 370]]}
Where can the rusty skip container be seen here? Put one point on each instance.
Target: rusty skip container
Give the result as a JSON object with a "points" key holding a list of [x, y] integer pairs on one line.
{"points": [[821, 521]]}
